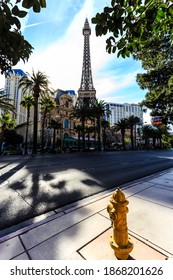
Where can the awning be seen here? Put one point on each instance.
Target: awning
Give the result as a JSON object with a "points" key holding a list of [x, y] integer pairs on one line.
{"points": [[70, 139]]}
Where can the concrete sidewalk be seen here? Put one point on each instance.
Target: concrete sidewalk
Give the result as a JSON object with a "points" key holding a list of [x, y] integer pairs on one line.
{"points": [[81, 231]]}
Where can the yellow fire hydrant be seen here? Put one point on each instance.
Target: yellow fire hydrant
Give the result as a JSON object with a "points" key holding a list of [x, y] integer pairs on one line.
{"points": [[119, 241]]}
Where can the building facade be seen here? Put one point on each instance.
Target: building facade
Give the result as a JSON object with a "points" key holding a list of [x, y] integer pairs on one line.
{"points": [[65, 101], [2, 93], [13, 91], [121, 111]]}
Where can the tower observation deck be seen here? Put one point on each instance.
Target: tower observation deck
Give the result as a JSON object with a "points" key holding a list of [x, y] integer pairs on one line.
{"points": [[86, 92]]}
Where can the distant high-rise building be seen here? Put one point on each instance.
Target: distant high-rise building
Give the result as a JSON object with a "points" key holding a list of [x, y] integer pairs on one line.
{"points": [[2, 93], [121, 111], [12, 91], [86, 91]]}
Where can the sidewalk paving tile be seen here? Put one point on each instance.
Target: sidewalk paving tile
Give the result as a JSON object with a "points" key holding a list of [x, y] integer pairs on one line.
{"points": [[75, 257], [105, 214], [157, 195], [21, 257], [93, 207], [25, 226], [151, 221], [163, 181], [62, 245], [99, 249], [133, 189], [10, 248], [44, 231], [81, 231]]}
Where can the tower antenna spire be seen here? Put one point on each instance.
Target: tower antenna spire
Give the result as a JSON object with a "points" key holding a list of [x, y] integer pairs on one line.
{"points": [[86, 91]]}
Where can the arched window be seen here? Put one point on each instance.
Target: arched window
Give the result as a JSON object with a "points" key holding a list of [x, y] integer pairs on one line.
{"points": [[66, 123], [66, 104]]}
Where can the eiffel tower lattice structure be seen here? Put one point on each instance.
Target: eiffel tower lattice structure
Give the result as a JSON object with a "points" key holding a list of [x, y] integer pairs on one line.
{"points": [[86, 92]]}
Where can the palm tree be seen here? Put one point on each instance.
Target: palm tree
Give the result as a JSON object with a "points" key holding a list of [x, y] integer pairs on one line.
{"points": [[82, 112], [34, 83], [161, 130], [55, 124], [105, 124], [99, 108], [6, 122], [6, 104], [149, 132], [132, 121], [79, 130], [27, 102], [89, 130], [47, 106], [122, 125]]}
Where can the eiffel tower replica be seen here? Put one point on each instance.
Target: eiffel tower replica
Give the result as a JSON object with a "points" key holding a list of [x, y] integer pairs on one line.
{"points": [[86, 92]]}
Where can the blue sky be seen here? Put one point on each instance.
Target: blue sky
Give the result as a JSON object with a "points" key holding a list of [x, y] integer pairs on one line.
{"points": [[56, 35]]}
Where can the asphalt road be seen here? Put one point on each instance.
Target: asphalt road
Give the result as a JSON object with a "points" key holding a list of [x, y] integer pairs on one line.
{"points": [[32, 185]]}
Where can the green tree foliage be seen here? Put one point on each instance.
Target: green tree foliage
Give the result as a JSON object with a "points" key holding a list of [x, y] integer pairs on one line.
{"points": [[121, 126], [35, 84], [79, 130], [132, 122], [159, 133], [105, 125], [27, 102], [6, 104], [13, 45], [82, 112], [11, 137], [132, 22], [47, 105], [56, 125], [6, 122], [157, 61], [99, 109]]}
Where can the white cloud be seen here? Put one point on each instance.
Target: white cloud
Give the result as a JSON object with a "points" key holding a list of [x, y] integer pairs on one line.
{"points": [[62, 61], [31, 25]]}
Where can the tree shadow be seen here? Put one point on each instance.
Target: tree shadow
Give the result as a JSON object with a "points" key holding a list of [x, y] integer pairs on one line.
{"points": [[90, 182], [36, 195], [4, 166], [44, 191], [60, 185]]}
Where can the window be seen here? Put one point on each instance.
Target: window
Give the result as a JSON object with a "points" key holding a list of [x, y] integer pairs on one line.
{"points": [[66, 123]]}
